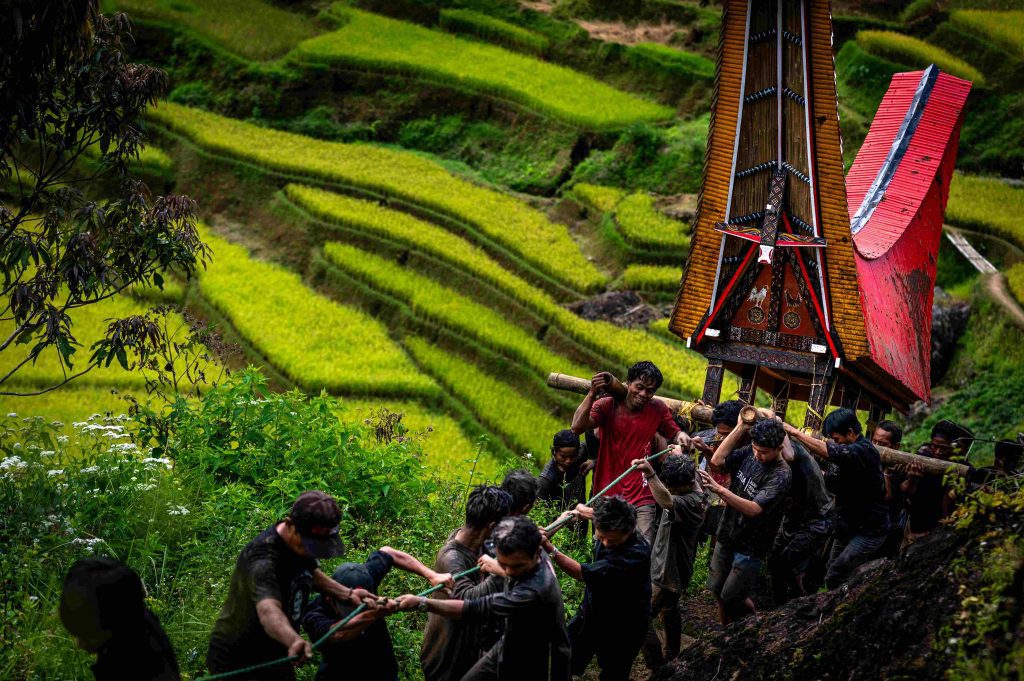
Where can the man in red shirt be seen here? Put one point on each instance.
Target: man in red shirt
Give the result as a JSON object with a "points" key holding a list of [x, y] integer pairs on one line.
{"points": [[628, 424]]}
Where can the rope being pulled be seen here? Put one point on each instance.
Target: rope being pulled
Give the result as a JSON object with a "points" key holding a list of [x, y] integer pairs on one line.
{"points": [[362, 607]]}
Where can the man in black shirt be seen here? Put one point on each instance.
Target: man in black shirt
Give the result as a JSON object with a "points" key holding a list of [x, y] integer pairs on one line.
{"points": [[564, 478], [724, 417], [860, 493], [806, 526], [103, 606], [928, 499], [889, 434], [273, 577], [754, 506], [613, 619], [684, 504], [362, 649], [451, 646], [522, 485], [534, 645]]}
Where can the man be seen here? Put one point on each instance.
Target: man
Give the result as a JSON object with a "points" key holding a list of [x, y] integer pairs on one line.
{"points": [[103, 607], [889, 434], [564, 478], [452, 646], [273, 577], [522, 486], [754, 505], [534, 644], [362, 648], [806, 527], [928, 500], [628, 424], [863, 521], [684, 505], [613, 619], [724, 417]]}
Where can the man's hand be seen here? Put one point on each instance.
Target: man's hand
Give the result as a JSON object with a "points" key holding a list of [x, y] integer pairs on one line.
{"points": [[701, 446], [644, 466], [545, 543], [301, 649], [585, 512], [789, 428], [587, 467], [684, 441], [600, 382], [360, 596], [445, 578], [709, 483], [915, 470], [407, 602], [490, 566]]}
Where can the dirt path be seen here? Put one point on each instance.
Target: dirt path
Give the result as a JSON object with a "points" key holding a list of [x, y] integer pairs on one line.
{"points": [[995, 284]]}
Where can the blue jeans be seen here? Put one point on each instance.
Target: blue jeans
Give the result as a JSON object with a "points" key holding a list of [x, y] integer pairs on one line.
{"points": [[850, 551]]}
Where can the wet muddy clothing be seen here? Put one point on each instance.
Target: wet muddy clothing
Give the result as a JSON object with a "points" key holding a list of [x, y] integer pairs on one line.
{"points": [[368, 657], [452, 646], [675, 546], [266, 569], [534, 643], [565, 488], [859, 488], [140, 652], [768, 486], [627, 435]]}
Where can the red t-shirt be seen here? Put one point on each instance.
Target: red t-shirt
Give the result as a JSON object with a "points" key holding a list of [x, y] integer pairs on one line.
{"points": [[627, 435]]}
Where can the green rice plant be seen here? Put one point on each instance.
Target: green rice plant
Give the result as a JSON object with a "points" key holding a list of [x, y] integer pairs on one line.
{"points": [[377, 43], [493, 29], [448, 449], [1015, 280], [652, 277], [1005, 29], [660, 328], [644, 226], [987, 204], [526, 426], [682, 368], [596, 197], [442, 305], [253, 29], [670, 60], [500, 218], [905, 49], [314, 341]]}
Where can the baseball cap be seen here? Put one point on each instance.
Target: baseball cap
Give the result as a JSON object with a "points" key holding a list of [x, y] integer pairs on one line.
{"points": [[316, 516]]}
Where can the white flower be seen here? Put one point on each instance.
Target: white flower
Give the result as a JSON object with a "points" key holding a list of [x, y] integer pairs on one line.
{"points": [[47, 452], [88, 544], [17, 445], [151, 461], [54, 472], [12, 463], [79, 424], [134, 478], [57, 424], [177, 510], [12, 415], [123, 448], [95, 490], [144, 487], [90, 469], [33, 598], [62, 439]]}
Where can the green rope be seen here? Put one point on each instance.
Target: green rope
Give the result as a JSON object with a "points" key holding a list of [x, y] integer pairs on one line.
{"points": [[362, 607]]}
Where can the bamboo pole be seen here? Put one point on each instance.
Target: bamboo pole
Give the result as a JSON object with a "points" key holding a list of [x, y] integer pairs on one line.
{"points": [[702, 412]]}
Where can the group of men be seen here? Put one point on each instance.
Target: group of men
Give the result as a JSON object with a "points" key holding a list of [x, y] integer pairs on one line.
{"points": [[768, 495]]}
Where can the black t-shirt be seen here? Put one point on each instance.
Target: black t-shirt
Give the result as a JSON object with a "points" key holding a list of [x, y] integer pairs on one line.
{"points": [[925, 503], [369, 656], [141, 652], [266, 568], [618, 584], [810, 500], [859, 487], [766, 485], [564, 488], [675, 545]]}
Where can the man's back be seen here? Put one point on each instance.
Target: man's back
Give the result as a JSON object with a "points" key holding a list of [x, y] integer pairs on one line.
{"points": [[860, 487], [811, 500], [675, 546]]}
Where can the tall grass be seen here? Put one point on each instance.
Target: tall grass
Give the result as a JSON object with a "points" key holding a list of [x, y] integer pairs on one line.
{"points": [[644, 226], [376, 43], [652, 277], [905, 49], [502, 219], [493, 29], [987, 204], [1005, 29]]}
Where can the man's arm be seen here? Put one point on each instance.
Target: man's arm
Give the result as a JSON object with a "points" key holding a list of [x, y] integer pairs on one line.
{"points": [[581, 421], [404, 561], [731, 441], [658, 490], [276, 624], [325, 585], [817, 447], [444, 608], [747, 507], [570, 566]]}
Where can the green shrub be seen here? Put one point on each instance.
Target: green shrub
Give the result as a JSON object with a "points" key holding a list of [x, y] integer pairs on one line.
{"points": [[376, 43], [250, 28], [405, 176], [905, 49], [493, 29], [644, 226], [596, 197], [670, 60], [1005, 29], [316, 342], [652, 278], [499, 406], [1015, 280], [441, 305], [987, 204], [918, 9], [682, 368]]}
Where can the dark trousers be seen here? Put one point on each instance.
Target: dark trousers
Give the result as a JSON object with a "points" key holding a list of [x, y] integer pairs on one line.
{"points": [[792, 554], [850, 551], [616, 645], [664, 604]]}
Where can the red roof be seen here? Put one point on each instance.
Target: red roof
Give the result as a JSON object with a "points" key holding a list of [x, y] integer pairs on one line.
{"points": [[897, 191]]}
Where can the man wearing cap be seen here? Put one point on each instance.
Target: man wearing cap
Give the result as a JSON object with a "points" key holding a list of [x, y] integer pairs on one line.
{"points": [[273, 577], [362, 649]]}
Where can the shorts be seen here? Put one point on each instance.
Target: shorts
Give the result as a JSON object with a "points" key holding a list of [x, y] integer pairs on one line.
{"points": [[732, 575]]}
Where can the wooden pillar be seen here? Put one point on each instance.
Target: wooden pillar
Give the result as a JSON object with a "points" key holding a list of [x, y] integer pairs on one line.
{"points": [[850, 398], [780, 402], [876, 413], [713, 383], [816, 403], [747, 389]]}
